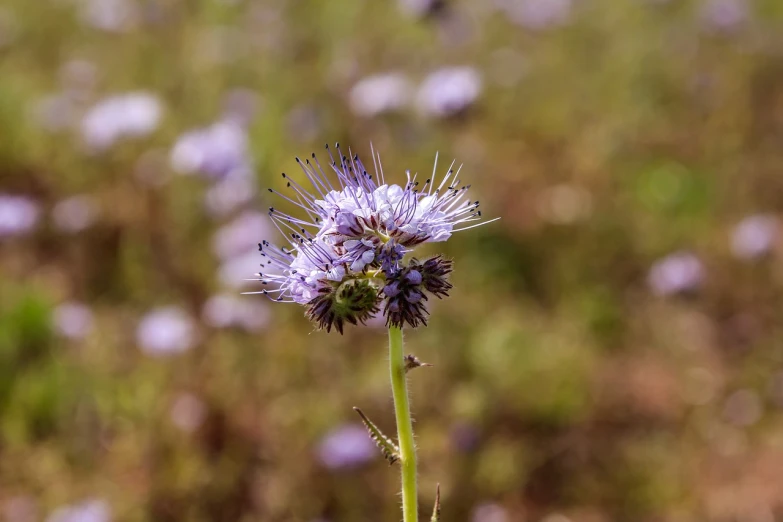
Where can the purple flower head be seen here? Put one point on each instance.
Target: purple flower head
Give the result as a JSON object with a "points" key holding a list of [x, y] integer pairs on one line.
{"points": [[724, 15], [538, 14], [18, 215], [215, 151], [449, 91], [489, 513], [227, 310], [347, 447], [114, 16], [73, 320], [754, 236], [165, 331], [357, 231], [677, 273], [93, 510], [379, 94], [128, 115]]}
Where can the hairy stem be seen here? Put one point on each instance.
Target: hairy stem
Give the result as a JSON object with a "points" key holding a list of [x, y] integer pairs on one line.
{"points": [[404, 426]]}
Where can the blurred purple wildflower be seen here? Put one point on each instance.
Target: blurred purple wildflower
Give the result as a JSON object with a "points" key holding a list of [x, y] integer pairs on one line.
{"points": [[233, 271], [73, 320], [230, 193], [347, 447], [236, 237], [449, 91], [227, 310], [94, 510], [724, 15], [380, 94], [115, 16], [18, 215], [489, 513], [754, 236], [215, 151], [677, 273], [133, 114], [166, 331], [537, 14]]}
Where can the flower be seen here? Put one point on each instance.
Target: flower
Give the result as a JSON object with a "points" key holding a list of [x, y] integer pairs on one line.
{"points": [[227, 310], [132, 114], [405, 290], [115, 16], [754, 236], [18, 215], [73, 320], [215, 151], [235, 238], [489, 513], [93, 510], [449, 91], [724, 15], [379, 94], [677, 273], [347, 256], [166, 331], [538, 14], [346, 447], [230, 193]]}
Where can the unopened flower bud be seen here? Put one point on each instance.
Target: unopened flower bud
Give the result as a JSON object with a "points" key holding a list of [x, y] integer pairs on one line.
{"points": [[413, 277], [354, 301]]}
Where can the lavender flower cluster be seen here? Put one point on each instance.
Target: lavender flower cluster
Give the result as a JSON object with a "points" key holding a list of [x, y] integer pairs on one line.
{"points": [[346, 259]]}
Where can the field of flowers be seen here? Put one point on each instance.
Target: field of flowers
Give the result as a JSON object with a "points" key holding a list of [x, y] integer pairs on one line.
{"points": [[612, 349]]}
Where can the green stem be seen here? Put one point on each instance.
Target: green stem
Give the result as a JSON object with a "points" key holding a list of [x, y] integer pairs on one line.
{"points": [[410, 510]]}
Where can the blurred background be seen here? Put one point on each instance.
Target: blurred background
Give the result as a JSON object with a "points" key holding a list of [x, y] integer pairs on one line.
{"points": [[612, 347]]}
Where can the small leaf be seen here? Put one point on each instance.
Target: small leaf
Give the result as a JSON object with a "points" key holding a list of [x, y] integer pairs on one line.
{"points": [[389, 449], [436, 509], [411, 361]]}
